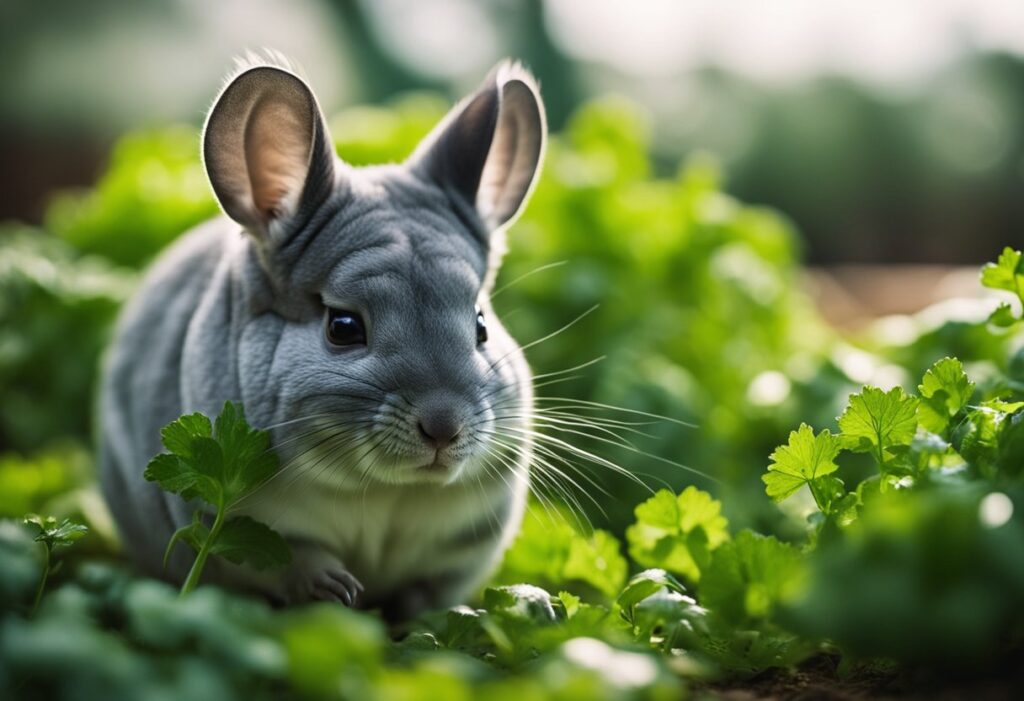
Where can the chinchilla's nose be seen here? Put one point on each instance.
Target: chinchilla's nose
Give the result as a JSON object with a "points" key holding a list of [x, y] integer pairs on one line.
{"points": [[440, 423]]}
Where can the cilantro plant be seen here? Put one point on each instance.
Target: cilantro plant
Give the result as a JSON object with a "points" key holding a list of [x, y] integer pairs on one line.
{"points": [[52, 536], [1006, 274], [220, 465]]}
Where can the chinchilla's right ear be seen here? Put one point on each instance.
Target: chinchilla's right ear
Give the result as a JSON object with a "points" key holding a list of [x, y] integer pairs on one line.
{"points": [[267, 151]]}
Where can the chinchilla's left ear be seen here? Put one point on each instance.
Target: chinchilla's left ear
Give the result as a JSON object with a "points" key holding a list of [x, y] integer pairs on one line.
{"points": [[266, 148], [487, 151]]}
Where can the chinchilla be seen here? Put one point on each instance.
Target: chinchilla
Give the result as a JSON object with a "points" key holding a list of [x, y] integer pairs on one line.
{"points": [[348, 310]]}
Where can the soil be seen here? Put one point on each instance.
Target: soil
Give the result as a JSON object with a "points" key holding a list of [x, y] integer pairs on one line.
{"points": [[819, 680]]}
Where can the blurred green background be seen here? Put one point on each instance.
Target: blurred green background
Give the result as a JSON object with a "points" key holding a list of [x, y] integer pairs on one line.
{"points": [[888, 133], [702, 154]]}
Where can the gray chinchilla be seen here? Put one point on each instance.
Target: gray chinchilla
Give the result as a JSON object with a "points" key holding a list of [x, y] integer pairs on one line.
{"points": [[348, 310]]}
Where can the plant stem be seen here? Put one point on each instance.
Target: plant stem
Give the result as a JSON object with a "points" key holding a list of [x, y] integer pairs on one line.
{"points": [[42, 579], [197, 567]]}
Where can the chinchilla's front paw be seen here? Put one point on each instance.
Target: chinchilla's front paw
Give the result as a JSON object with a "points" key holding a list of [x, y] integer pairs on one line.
{"points": [[317, 575]]}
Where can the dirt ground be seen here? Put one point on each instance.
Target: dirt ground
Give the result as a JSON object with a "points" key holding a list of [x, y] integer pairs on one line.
{"points": [[820, 680]]}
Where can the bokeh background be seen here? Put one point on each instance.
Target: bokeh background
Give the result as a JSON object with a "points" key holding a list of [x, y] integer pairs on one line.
{"points": [[888, 133], [749, 210], [703, 153]]}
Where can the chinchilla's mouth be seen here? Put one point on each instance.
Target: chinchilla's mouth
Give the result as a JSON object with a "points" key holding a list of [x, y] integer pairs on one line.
{"points": [[438, 465]]}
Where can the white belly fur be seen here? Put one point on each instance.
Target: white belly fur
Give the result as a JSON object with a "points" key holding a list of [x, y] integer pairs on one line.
{"points": [[390, 535]]}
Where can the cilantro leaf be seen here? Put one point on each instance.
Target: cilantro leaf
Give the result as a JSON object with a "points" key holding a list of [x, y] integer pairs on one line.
{"points": [[1007, 273], [749, 576], [945, 390], [805, 459], [178, 435], [645, 584], [219, 463], [879, 422], [551, 552], [677, 533], [1002, 316], [53, 534], [245, 540]]}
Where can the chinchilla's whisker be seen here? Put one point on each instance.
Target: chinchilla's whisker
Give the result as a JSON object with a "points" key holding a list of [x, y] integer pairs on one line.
{"points": [[356, 469], [333, 443], [550, 474], [490, 472], [294, 459], [544, 460], [542, 438], [360, 380], [607, 463], [280, 424], [509, 464], [522, 277], [570, 425], [496, 364], [588, 404], [565, 410], [299, 460], [557, 380], [574, 368], [569, 464], [339, 422]]}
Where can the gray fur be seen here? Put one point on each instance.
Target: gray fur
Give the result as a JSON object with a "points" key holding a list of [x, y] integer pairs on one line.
{"points": [[235, 310]]}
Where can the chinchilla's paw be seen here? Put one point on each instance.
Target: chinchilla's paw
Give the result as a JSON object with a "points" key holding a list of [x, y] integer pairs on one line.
{"points": [[317, 575]]}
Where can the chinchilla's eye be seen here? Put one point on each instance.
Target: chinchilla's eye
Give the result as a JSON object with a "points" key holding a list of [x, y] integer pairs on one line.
{"points": [[345, 328], [481, 327]]}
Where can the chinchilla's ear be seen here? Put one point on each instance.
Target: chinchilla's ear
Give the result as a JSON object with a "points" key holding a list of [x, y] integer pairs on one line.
{"points": [[266, 148], [488, 150]]}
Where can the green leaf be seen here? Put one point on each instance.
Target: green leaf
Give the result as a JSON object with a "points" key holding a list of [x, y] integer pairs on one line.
{"points": [[749, 576], [677, 533], [570, 603], [221, 462], [879, 422], [645, 584], [245, 540], [178, 435], [521, 602], [173, 475], [945, 390], [248, 459], [48, 531], [1002, 316], [597, 560], [1007, 273], [803, 460], [549, 551]]}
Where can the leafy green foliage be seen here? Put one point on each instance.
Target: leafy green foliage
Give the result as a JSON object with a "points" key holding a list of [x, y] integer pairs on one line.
{"points": [[1007, 273], [805, 460], [945, 390], [677, 533], [51, 298], [880, 423], [912, 549], [219, 464], [550, 551], [153, 190], [52, 535], [750, 576]]}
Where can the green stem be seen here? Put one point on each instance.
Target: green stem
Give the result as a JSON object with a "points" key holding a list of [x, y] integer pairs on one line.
{"points": [[42, 579], [817, 498], [197, 567]]}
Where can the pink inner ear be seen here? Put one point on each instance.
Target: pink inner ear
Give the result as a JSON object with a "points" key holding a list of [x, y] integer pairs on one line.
{"points": [[278, 142]]}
